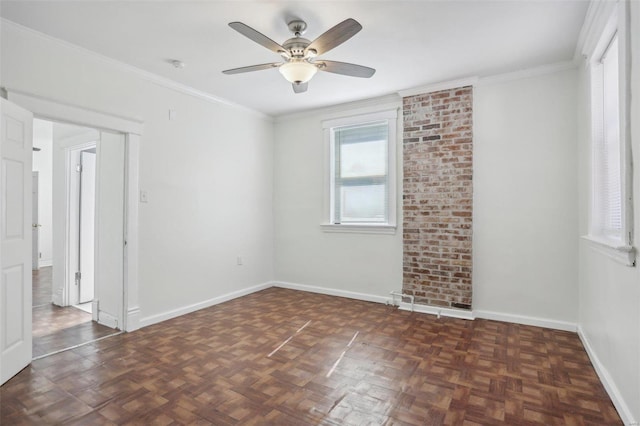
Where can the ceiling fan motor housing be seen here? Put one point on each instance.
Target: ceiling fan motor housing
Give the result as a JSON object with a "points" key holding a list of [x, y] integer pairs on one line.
{"points": [[296, 46]]}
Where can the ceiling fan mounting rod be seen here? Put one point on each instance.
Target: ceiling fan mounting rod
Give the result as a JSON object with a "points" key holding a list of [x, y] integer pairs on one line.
{"points": [[297, 27]]}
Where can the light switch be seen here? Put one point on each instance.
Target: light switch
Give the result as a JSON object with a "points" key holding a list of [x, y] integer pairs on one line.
{"points": [[144, 198]]}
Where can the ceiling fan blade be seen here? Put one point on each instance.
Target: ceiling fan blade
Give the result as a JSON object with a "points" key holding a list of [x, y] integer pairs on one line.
{"points": [[256, 36], [252, 68], [345, 68], [335, 36], [300, 88]]}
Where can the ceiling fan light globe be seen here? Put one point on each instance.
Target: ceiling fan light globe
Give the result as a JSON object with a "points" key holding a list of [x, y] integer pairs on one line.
{"points": [[298, 72]]}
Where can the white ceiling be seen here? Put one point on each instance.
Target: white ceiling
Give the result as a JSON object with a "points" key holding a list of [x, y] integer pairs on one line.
{"points": [[409, 43]]}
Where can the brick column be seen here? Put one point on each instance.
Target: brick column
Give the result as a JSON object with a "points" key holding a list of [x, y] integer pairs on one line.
{"points": [[438, 197]]}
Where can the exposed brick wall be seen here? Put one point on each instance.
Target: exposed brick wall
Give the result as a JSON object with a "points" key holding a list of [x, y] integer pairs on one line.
{"points": [[438, 197]]}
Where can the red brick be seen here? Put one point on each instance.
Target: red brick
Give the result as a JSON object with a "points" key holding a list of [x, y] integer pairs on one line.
{"points": [[438, 197]]}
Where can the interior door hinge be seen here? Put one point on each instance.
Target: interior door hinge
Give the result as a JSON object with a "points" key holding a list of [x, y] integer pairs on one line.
{"points": [[79, 168], [78, 277]]}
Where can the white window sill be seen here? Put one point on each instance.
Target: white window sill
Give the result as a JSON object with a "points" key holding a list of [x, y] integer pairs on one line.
{"points": [[359, 228], [622, 254]]}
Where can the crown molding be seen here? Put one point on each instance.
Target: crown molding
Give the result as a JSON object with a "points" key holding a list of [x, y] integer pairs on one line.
{"points": [[492, 79], [365, 105], [529, 72], [598, 14], [138, 72], [435, 87]]}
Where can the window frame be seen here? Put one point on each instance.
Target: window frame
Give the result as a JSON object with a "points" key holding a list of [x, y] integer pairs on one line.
{"points": [[390, 115], [621, 249]]}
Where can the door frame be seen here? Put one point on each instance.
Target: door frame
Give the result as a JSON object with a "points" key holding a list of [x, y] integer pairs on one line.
{"points": [[83, 229], [132, 129], [35, 221], [71, 243]]}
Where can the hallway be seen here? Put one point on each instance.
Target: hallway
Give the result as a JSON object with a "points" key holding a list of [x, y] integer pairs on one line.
{"points": [[56, 328]]}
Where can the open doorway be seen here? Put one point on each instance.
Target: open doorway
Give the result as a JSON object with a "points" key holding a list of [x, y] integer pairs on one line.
{"points": [[80, 198], [86, 202], [118, 249]]}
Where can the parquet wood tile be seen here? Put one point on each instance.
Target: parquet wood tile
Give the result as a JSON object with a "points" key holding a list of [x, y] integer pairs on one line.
{"points": [[55, 328], [333, 361]]}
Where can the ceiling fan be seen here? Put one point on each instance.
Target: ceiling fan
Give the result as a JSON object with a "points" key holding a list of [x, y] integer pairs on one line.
{"points": [[300, 55]]}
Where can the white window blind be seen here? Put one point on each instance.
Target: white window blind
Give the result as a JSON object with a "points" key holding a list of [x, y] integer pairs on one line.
{"points": [[361, 173], [607, 214]]}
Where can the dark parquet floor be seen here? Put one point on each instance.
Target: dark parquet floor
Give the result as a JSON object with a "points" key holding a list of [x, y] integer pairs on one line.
{"points": [[55, 328], [41, 287], [283, 357]]}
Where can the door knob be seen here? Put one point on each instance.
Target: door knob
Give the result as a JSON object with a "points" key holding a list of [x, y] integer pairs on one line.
{"points": [[36, 225]]}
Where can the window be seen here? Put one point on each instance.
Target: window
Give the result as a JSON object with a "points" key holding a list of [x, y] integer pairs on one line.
{"points": [[607, 178], [610, 215], [360, 192], [360, 173]]}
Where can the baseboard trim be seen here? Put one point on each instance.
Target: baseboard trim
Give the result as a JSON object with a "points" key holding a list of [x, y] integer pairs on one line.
{"points": [[434, 310], [95, 308], [134, 323], [607, 381], [439, 311], [133, 319], [57, 297], [154, 319], [526, 320], [45, 263], [108, 320], [332, 292]]}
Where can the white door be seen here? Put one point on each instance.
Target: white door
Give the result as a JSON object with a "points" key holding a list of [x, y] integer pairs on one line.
{"points": [[87, 224], [35, 230], [15, 239]]}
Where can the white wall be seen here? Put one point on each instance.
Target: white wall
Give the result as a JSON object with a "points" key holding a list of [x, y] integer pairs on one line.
{"points": [[525, 199], [609, 295], [525, 205], [208, 173], [42, 163], [305, 255]]}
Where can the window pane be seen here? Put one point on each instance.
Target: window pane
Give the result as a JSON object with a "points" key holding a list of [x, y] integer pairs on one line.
{"points": [[362, 132], [363, 159], [364, 203], [360, 173]]}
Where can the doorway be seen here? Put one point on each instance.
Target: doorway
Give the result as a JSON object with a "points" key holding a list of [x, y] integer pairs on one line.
{"points": [[70, 180], [86, 242], [80, 223], [15, 241]]}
